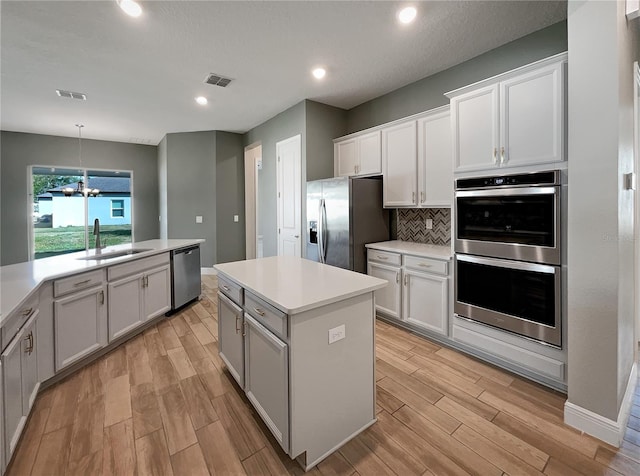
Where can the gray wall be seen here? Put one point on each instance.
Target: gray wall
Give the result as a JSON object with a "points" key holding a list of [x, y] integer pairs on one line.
{"points": [[162, 187], [601, 343], [20, 150], [191, 189], [286, 124], [230, 197], [428, 93], [323, 123]]}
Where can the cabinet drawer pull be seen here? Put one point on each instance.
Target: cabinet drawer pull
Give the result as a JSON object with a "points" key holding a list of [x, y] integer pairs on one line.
{"points": [[382, 257], [26, 312], [80, 283], [259, 311], [424, 265], [226, 288]]}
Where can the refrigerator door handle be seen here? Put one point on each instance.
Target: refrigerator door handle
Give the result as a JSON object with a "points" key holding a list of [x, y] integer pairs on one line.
{"points": [[321, 254]]}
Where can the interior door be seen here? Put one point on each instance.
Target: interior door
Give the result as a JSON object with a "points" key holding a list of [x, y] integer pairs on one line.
{"points": [[289, 183]]}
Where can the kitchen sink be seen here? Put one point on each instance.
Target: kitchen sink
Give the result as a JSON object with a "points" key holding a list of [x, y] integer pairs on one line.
{"points": [[113, 254]]}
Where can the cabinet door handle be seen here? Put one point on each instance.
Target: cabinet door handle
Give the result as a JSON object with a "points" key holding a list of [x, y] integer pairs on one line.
{"points": [[421, 197], [296, 236], [397, 277], [405, 279], [495, 155], [244, 329], [102, 297], [146, 281], [29, 339], [502, 161], [237, 322], [80, 283], [413, 197], [259, 311]]}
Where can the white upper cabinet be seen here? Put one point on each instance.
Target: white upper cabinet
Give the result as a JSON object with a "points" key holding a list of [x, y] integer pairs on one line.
{"points": [[400, 165], [358, 155], [435, 165], [511, 120]]}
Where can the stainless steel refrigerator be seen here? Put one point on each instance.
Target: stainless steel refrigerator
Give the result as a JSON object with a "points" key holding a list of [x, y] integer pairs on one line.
{"points": [[343, 214]]}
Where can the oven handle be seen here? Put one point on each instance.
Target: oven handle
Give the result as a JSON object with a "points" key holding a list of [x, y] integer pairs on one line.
{"points": [[508, 192], [504, 263]]}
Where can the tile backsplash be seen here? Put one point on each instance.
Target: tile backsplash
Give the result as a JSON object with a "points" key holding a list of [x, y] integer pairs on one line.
{"points": [[410, 225]]}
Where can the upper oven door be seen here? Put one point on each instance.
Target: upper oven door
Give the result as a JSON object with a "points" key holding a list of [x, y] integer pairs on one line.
{"points": [[513, 223]]}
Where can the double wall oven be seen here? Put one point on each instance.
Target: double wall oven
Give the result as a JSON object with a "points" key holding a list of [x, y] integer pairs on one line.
{"points": [[508, 253]]}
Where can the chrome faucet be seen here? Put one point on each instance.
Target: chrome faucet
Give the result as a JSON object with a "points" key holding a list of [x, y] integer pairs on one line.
{"points": [[96, 231]]}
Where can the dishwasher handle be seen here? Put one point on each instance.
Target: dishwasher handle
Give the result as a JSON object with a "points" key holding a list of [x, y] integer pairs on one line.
{"points": [[186, 251]]}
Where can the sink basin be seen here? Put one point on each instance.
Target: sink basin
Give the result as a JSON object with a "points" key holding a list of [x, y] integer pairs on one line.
{"points": [[113, 254]]}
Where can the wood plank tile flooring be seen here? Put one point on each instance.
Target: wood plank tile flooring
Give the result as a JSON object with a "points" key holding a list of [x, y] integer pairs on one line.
{"points": [[163, 404]]}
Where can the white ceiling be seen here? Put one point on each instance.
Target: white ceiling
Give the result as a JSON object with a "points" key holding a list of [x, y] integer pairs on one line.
{"points": [[141, 75]]}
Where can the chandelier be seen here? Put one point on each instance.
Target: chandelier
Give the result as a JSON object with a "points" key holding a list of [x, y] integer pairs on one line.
{"points": [[80, 188]]}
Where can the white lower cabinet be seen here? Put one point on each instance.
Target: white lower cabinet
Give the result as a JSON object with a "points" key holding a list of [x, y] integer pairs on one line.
{"points": [[266, 378], [80, 322], [388, 299], [418, 289], [20, 383], [425, 300], [125, 305], [231, 337], [157, 292]]}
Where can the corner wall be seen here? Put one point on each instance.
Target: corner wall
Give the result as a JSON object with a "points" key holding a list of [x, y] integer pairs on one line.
{"points": [[20, 150]]}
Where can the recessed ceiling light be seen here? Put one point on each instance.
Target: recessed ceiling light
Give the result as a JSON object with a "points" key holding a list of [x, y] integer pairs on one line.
{"points": [[407, 14], [319, 73], [131, 8], [202, 100]]}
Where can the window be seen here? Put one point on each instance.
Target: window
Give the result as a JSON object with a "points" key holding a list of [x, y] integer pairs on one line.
{"points": [[64, 224], [117, 208]]}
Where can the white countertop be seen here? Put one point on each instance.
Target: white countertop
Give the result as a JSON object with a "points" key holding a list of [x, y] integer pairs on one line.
{"points": [[416, 249], [294, 285], [18, 281]]}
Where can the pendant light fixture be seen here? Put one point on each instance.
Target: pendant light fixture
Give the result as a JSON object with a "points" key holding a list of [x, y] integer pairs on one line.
{"points": [[80, 188]]}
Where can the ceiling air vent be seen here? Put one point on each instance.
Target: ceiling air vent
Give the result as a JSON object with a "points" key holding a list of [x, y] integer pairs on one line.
{"points": [[71, 95], [217, 80]]}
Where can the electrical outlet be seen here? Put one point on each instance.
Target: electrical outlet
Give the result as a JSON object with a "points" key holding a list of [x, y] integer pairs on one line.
{"points": [[198, 218], [429, 224], [236, 218], [336, 334]]}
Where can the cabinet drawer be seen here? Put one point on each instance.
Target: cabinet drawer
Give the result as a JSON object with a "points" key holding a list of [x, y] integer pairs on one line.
{"points": [[77, 282], [136, 266], [383, 257], [232, 290], [266, 314], [18, 319], [427, 265]]}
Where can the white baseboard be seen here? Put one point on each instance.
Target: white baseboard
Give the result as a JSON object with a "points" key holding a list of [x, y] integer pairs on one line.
{"points": [[208, 271], [604, 429]]}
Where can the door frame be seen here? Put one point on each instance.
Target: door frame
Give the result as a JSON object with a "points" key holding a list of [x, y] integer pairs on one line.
{"points": [[252, 164]]}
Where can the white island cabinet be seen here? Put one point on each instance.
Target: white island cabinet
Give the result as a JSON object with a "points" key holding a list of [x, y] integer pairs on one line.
{"points": [[303, 350]]}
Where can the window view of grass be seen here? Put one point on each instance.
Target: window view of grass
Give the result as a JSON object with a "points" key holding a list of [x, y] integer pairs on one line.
{"points": [[55, 241]]}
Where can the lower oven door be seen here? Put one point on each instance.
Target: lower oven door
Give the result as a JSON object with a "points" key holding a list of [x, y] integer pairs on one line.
{"points": [[520, 297]]}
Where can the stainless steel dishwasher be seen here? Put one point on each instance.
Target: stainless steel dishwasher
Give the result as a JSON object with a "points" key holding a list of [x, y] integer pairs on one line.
{"points": [[185, 275]]}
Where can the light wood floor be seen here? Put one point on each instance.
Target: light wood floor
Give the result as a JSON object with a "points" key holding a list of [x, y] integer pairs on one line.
{"points": [[164, 404]]}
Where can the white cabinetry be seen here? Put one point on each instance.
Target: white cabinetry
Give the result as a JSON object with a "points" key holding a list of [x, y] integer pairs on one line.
{"points": [[386, 266], [514, 119], [400, 165], [435, 163], [425, 297], [138, 291], [231, 337], [418, 289], [80, 318], [20, 382], [44, 328], [357, 155]]}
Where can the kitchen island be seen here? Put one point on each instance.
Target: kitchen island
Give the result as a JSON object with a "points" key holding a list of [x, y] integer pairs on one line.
{"points": [[299, 338]]}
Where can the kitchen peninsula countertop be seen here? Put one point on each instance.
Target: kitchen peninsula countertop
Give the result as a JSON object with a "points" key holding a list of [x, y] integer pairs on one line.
{"points": [[416, 249], [18, 281], [295, 285]]}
